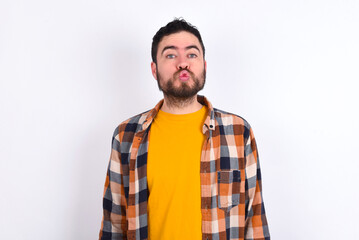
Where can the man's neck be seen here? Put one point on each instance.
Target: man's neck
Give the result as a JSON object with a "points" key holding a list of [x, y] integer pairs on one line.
{"points": [[180, 106]]}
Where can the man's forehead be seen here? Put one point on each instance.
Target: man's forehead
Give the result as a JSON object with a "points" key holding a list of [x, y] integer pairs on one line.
{"points": [[180, 40]]}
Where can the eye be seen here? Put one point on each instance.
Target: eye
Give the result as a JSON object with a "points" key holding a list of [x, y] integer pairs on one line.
{"points": [[192, 55], [170, 56]]}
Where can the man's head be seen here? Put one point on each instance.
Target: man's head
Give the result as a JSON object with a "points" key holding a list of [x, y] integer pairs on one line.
{"points": [[177, 25], [178, 60]]}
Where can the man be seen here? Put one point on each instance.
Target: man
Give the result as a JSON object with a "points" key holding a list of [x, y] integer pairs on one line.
{"points": [[183, 170]]}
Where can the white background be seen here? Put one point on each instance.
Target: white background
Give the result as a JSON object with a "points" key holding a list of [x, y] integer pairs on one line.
{"points": [[71, 70]]}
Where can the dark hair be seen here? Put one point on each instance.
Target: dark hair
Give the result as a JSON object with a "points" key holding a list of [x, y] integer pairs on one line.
{"points": [[177, 25]]}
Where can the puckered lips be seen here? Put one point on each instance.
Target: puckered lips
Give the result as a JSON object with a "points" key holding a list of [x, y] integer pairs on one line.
{"points": [[184, 75]]}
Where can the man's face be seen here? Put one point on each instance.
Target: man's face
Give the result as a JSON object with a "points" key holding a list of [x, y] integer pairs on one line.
{"points": [[180, 70]]}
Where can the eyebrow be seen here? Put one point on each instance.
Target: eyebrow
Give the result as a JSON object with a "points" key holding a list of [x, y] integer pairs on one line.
{"points": [[175, 48]]}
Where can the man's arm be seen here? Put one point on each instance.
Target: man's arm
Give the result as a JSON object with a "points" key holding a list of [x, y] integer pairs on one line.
{"points": [[256, 221], [114, 224]]}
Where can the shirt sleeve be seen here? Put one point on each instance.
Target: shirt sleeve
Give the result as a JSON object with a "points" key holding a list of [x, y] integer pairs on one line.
{"points": [[256, 226], [114, 223]]}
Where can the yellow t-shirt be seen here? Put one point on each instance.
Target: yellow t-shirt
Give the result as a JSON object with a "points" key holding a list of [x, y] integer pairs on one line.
{"points": [[173, 176]]}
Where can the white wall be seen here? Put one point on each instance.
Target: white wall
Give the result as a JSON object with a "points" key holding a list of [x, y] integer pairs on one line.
{"points": [[70, 71]]}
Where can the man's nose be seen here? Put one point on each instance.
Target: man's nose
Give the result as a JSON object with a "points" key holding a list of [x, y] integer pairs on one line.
{"points": [[182, 63]]}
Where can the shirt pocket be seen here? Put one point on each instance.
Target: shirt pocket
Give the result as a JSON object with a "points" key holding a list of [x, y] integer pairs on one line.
{"points": [[228, 189]]}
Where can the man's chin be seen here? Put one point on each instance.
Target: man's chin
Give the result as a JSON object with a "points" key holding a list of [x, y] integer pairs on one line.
{"points": [[182, 93]]}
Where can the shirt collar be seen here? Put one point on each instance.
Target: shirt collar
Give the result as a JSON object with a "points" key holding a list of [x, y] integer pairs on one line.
{"points": [[209, 122]]}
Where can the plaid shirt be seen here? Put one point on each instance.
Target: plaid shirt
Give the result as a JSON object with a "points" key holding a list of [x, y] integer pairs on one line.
{"points": [[231, 192]]}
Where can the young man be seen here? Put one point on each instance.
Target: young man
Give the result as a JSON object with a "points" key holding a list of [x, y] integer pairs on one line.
{"points": [[183, 170]]}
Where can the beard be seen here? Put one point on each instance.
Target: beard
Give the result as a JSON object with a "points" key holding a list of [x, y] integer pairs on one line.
{"points": [[184, 91]]}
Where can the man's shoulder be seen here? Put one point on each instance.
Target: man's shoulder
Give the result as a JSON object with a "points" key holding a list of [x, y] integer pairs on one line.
{"points": [[131, 125], [226, 118]]}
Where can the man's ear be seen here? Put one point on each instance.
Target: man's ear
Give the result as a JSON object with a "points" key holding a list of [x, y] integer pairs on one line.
{"points": [[154, 70]]}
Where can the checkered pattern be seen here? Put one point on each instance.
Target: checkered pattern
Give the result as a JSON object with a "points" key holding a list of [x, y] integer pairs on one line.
{"points": [[231, 192]]}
